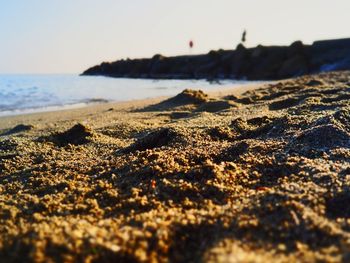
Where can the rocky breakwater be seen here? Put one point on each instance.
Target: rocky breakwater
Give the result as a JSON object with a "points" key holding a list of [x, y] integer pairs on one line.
{"points": [[259, 63]]}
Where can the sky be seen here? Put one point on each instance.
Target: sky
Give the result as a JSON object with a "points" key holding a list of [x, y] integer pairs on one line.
{"points": [[68, 36]]}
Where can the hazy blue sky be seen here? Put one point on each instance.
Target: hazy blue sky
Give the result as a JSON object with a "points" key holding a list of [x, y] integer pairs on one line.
{"points": [[67, 36]]}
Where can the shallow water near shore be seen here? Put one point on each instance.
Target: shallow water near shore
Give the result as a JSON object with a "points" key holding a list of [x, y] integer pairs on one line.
{"points": [[21, 94]]}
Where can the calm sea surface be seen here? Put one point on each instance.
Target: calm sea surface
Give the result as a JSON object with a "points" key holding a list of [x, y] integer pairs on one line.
{"points": [[33, 93]]}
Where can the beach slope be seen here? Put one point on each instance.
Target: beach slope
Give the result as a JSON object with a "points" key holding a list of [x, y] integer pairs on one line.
{"points": [[258, 176]]}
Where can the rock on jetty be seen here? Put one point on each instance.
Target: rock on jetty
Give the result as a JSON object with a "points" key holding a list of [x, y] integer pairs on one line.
{"points": [[259, 63]]}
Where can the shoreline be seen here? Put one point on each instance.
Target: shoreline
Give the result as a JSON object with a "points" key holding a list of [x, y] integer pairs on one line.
{"points": [[7, 122], [40, 93]]}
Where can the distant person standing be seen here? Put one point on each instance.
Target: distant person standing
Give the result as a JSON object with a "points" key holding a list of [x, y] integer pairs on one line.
{"points": [[244, 35], [189, 60], [190, 44]]}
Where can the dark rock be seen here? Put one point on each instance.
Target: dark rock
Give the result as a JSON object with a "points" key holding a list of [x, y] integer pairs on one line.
{"points": [[267, 63], [240, 62], [294, 66], [259, 51], [296, 48], [260, 63]]}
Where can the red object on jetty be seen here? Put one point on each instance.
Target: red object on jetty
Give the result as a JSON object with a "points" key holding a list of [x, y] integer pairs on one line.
{"points": [[191, 44]]}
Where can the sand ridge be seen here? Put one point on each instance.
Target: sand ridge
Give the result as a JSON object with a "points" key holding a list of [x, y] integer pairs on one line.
{"points": [[258, 177]]}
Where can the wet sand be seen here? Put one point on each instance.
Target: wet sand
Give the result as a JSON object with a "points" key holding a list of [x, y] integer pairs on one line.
{"points": [[259, 174]]}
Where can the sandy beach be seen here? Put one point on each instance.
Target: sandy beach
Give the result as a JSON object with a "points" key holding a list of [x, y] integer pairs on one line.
{"points": [[258, 173]]}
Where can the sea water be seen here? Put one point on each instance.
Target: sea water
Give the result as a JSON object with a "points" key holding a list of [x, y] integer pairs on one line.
{"points": [[20, 94]]}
